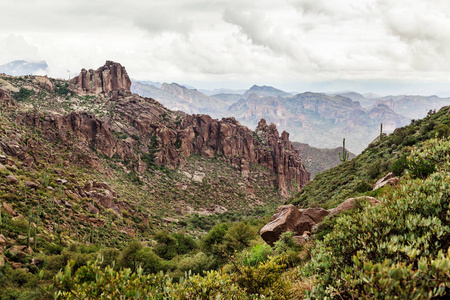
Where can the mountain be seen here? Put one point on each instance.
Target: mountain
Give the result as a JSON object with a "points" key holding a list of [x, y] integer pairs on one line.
{"points": [[221, 91], [152, 83], [22, 67], [413, 107], [265, 91], [317, 160], [318, 119], [178, 97], [356, 97]]}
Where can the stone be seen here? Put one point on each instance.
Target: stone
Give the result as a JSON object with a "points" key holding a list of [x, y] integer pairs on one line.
{"points": [[6, 99], [350, 204], [284, 219], [31, 185], [309, 218], [3, 168], [61, 181], [11, 179], [299, 239], [170, 220], [389, 179], [8, 208], [16, 265]]}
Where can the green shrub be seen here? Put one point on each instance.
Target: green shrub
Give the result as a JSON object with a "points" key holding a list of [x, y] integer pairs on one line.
{"points": [[167, 245], [129, 256], [257, 254], [411, 225]]}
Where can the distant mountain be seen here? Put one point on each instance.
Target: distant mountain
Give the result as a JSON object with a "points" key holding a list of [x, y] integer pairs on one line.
{"points": [[365, 102], [319, 119], [413, 107], [265, 91], [146, 82], [317, 160], [221, 91], [22, 67], [229, 98], [177, 97]]}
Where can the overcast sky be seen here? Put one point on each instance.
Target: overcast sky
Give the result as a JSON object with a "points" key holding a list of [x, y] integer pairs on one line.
{"points": [[290, 44]]}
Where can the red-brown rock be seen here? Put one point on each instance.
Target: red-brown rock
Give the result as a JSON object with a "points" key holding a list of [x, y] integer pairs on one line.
{"points": [[389, 179], [6, 99], [111, 77], [284, 219], [350, 204], [309, 218]]}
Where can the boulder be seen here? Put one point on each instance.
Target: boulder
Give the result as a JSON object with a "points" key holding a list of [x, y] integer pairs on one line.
{"points": [[284, 219], [309, 218], [31, 185], [350, 204], [11, 179], [8, 208], [389, 179]]}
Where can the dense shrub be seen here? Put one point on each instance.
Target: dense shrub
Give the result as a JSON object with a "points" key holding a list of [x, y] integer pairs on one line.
{"points": [[408, 230]]}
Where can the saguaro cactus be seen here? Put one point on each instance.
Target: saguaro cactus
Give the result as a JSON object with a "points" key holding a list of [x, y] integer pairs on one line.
{"points": [[381, 131], [345, 153]]}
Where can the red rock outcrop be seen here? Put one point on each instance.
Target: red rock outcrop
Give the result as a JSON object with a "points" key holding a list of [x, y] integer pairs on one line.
{"points": [[304, 221], [110, 77], [5, 98]]}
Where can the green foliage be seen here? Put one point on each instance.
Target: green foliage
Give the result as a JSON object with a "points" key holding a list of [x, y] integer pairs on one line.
{"points": [[410, 227], [23, 94], [62, 89], [256, 255], [167, 245], [129, 256]]}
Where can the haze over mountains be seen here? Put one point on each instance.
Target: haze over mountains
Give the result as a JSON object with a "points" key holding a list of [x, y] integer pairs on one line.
{"points": [[319, 119]]}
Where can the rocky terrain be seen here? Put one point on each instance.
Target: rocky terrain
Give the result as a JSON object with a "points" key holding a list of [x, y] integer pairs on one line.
{"points": [[317, 160]]}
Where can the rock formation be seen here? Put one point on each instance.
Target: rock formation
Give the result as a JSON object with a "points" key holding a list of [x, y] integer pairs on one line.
{"points": [[304, 221], [5, 98], [110, 77], [389, 179]]}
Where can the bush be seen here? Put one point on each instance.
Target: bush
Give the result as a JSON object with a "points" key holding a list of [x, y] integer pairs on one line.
{"points": [[167, 245], [129, 256], [411, 225], [256, 255]]}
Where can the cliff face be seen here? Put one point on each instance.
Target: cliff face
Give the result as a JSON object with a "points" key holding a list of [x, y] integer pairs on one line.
{"points": [[168, 138], [110, 77]]}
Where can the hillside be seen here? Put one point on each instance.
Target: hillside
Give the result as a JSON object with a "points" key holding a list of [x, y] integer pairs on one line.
{"points": [[393, 247], [355, 177], [86, 162], [317, 160]]}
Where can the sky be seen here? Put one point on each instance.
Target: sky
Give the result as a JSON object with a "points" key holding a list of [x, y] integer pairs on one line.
{"points": [[380, 46]]}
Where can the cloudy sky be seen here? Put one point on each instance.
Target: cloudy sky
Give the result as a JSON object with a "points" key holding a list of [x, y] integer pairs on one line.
{"points": [[367, 45]]}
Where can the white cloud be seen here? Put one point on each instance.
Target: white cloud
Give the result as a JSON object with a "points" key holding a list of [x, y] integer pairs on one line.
{"points": [[258, 41]]}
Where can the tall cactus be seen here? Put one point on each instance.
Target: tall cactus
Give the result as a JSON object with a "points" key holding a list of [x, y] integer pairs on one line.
{"points": [[30, 215], [381, 131], [345, 153]]}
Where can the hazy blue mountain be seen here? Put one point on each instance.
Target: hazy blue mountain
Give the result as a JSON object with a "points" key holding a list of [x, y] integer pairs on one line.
{"points": [[413, 106], [22, 67], [265, 91], [318, 119]]}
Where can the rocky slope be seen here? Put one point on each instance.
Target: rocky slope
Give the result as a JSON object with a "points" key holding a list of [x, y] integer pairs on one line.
{"points": [[317, 160], [97, 111]]}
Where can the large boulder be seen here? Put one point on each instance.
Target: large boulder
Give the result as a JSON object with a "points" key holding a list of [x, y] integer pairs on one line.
{"points": [[290, 218], [389, 179], [351, 203], [284, 219], [309, 218]]}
